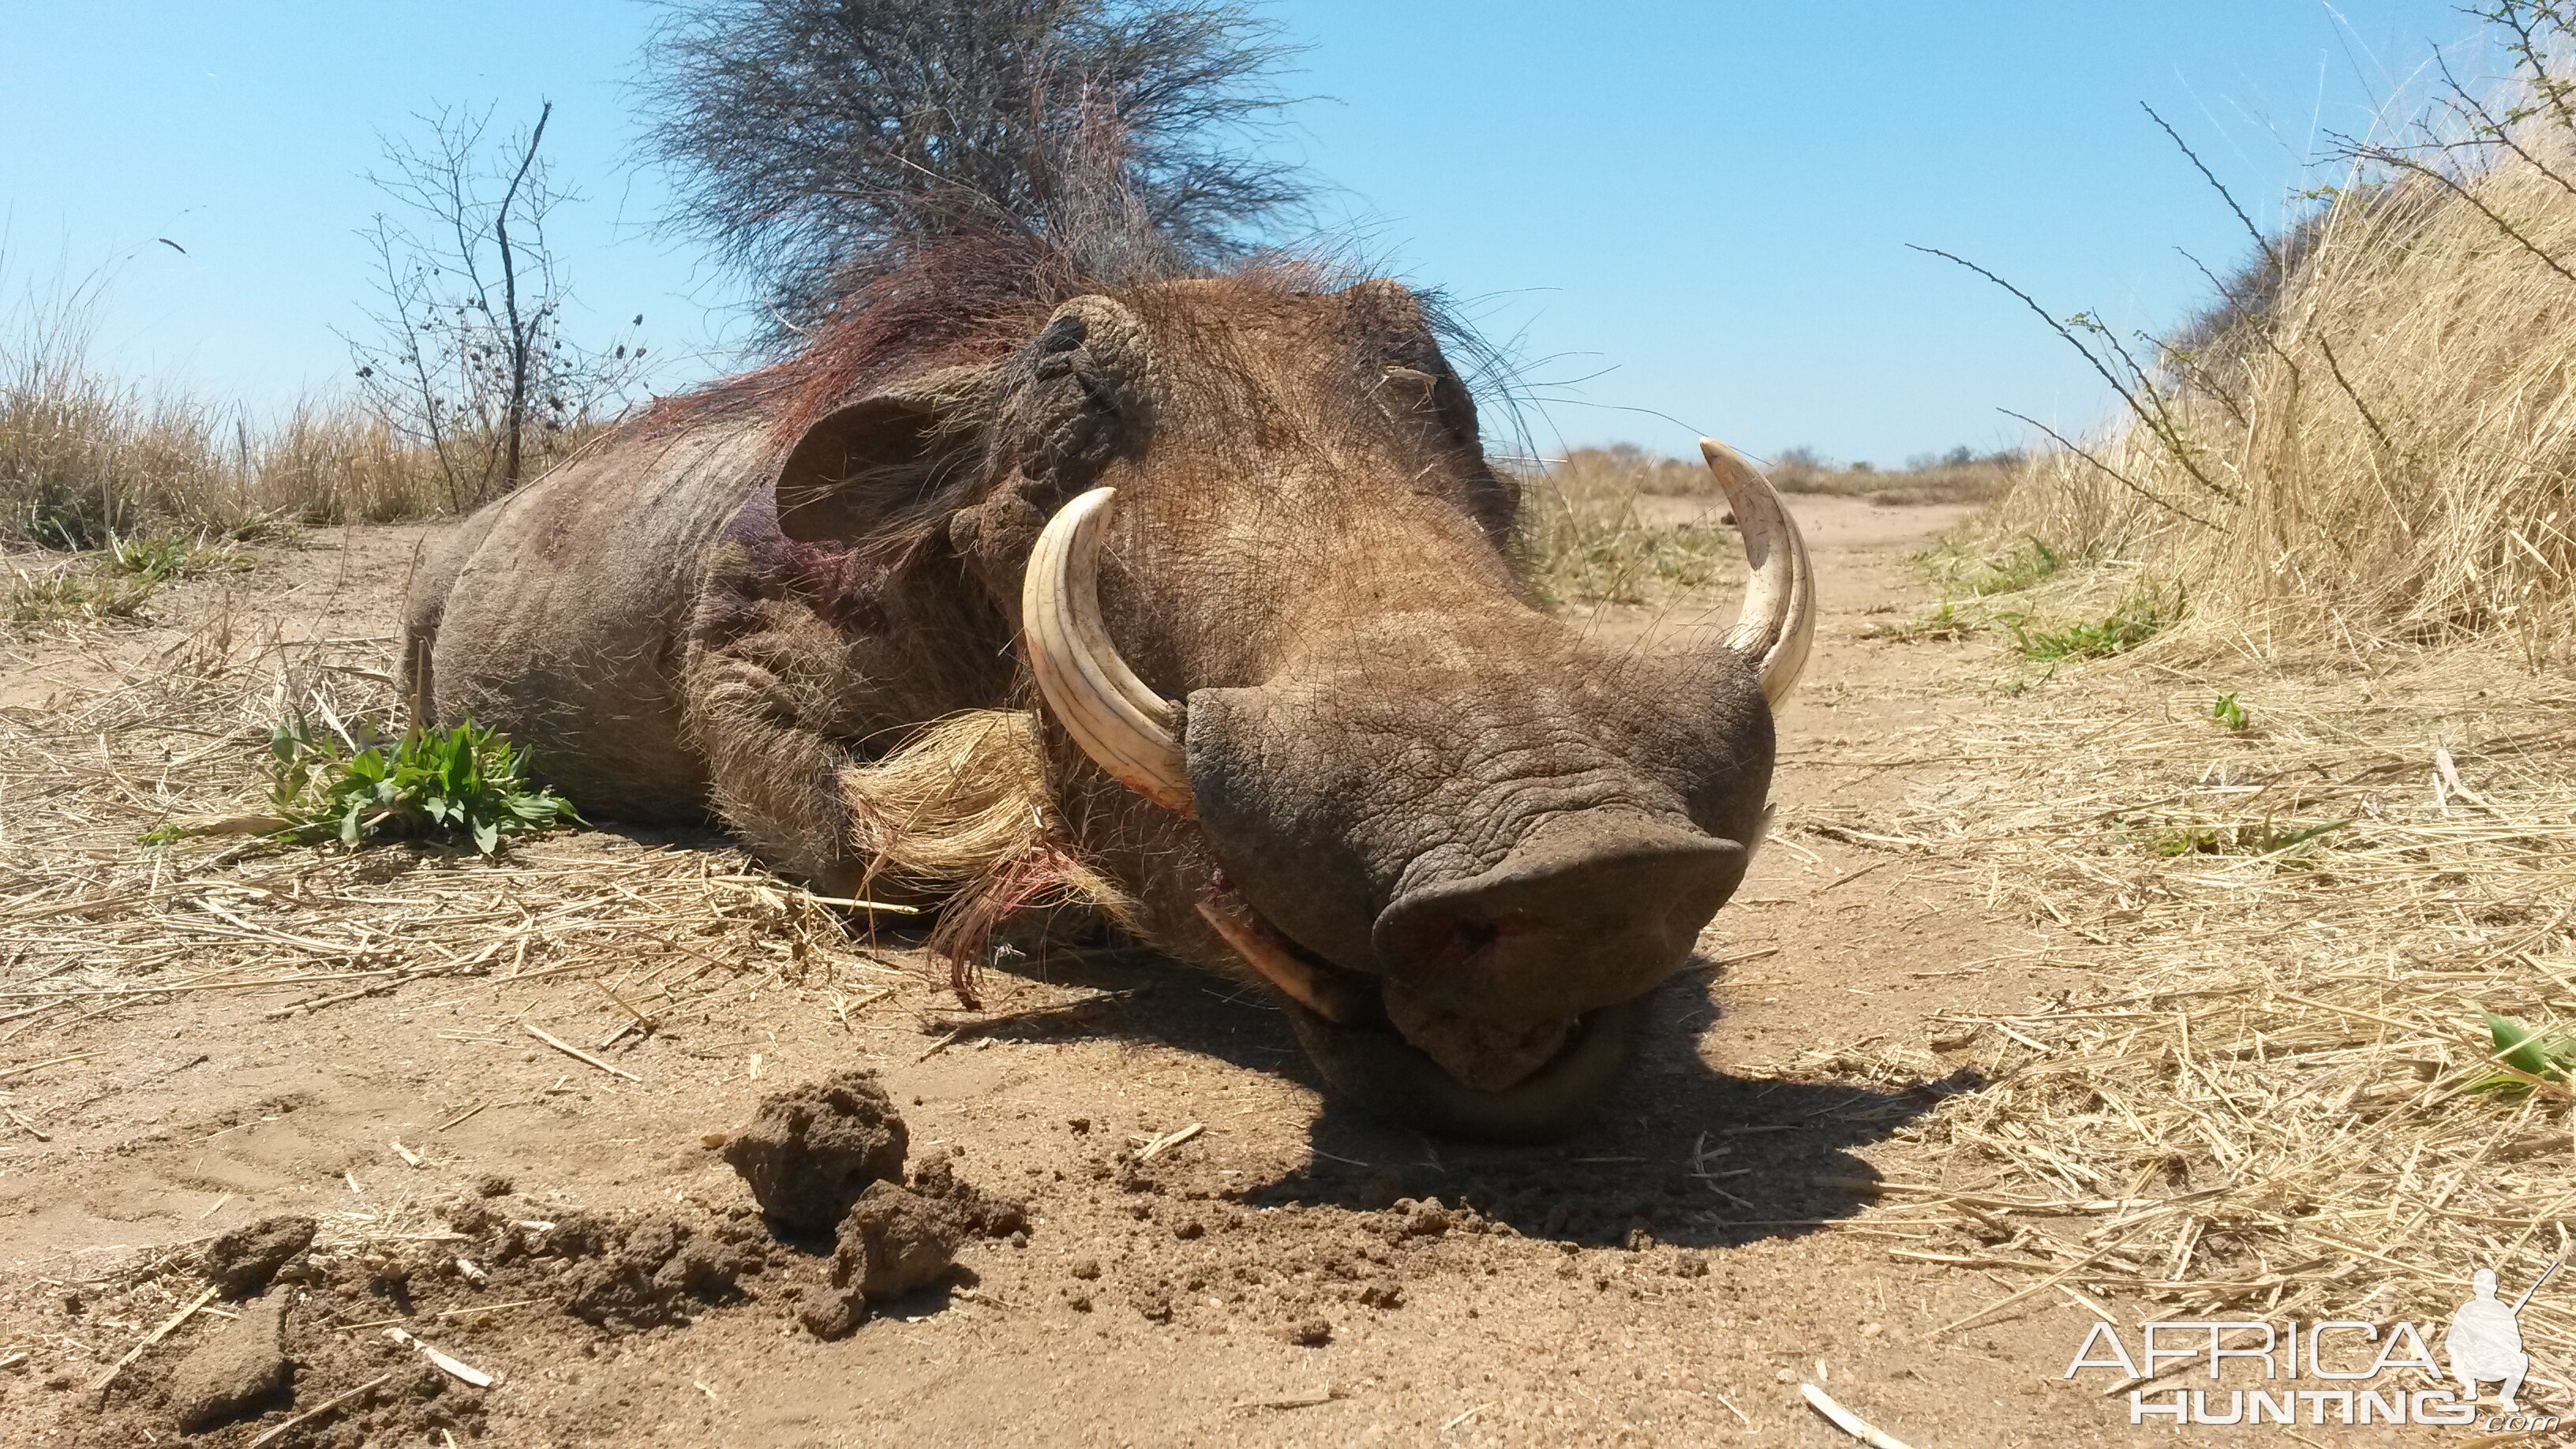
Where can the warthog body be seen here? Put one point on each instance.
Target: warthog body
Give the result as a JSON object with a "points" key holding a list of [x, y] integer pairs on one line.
{"points": [[1463, 839]]}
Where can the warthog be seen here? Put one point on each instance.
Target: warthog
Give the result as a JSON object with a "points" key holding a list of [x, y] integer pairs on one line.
{"points": [[1232, 548]]}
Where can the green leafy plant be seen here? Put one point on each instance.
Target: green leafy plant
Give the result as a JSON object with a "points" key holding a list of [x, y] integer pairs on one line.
{"points": [[2145, 613], [2229, 713], [2546, 1054], [458, 782]]}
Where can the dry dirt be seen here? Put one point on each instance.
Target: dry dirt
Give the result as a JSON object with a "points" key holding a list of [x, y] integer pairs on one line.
{"points": [[1211, 1252]]}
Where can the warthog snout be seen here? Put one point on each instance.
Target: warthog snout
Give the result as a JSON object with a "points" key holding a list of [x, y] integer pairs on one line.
{"points": [[1587, 912]]}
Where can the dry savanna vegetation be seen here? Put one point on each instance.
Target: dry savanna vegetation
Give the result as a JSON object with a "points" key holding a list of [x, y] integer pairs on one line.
{"points": [[1621, 525], [2283, 765], [110, 489], [2262, 757]]}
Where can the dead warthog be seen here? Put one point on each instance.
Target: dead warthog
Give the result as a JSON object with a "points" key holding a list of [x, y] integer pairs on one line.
{"points": [[1190, 599]]}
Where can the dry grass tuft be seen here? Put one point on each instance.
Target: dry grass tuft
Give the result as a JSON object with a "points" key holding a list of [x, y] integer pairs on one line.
{"points": [[2381, 446], [2268, 1086]]}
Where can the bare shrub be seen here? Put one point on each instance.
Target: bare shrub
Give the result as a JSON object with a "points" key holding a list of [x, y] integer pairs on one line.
{"points": [[469, 360]]}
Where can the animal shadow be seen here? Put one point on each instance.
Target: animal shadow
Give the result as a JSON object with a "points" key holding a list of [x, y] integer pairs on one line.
{"points": [[1681, 1153]]}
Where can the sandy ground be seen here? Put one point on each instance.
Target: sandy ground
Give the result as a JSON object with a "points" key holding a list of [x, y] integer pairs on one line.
{"points": [[1668, 1276]]}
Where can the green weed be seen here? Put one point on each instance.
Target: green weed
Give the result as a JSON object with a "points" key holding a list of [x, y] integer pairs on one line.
{"points": [[2229, 713], [2547, 1055], [460, 783], [2025, 566], [2290, 841], [114, 581], [67, 595], [1944, 622], [2145, 613]]}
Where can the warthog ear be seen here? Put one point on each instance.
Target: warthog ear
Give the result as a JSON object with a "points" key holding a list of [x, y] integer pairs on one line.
{"points": [[864, 462]]}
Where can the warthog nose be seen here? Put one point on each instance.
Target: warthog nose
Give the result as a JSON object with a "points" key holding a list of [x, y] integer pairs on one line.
{"points": [[1585, 912]]}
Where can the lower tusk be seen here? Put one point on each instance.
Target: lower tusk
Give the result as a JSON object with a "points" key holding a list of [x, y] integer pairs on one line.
{"points": [[1260, 947]]}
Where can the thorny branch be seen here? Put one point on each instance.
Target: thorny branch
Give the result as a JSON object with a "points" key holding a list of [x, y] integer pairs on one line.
{"points": [[2150, 416]]}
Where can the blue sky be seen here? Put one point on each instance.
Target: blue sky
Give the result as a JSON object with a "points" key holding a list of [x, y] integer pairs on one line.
{"points": [[1693, 217]]}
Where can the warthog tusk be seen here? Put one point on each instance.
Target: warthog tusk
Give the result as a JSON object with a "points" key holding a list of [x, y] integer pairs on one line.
{"points": [[1126, 728], [1778, 620], [1258, 944]]}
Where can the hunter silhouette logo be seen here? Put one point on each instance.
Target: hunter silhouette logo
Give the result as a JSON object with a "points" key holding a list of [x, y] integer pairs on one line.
{"points": [[2485, 1341], [2354, 1371]]}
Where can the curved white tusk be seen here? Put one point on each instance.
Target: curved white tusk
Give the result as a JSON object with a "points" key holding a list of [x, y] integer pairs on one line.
{"points": [[1126, 728], [1778, 620]]}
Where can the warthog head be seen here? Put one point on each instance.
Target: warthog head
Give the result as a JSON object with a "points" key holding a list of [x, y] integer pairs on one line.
{"points": [[1264, 577]]}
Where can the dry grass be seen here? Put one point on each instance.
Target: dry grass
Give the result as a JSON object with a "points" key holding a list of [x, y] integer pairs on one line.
{"points": [[93, 921], [1961, 477], [86, 458], [2267, 1085], [1589, 531], [2385, 451]]}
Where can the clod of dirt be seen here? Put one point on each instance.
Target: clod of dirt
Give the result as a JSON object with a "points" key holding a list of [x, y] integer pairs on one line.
{"points": [[242, 1261], [235, 1372], [1427, 1219], [493, 1184], [621, 1274], [644, 1273], [896, 1240], [830, 1313], [985, 1217], [1309, 1332], [811, 1151]]}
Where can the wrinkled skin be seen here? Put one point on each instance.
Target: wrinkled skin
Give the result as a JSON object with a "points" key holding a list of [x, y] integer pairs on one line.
{"points": [[1488, 836]]}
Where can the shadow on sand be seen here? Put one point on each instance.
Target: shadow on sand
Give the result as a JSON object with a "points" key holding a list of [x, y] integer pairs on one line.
{"points": [[1690, 1156]]}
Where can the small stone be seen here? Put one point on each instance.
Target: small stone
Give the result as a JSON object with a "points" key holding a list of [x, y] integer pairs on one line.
{"points": [[234, 1372], [1872, 1330], [1085, 1268], [242, 1261]]}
